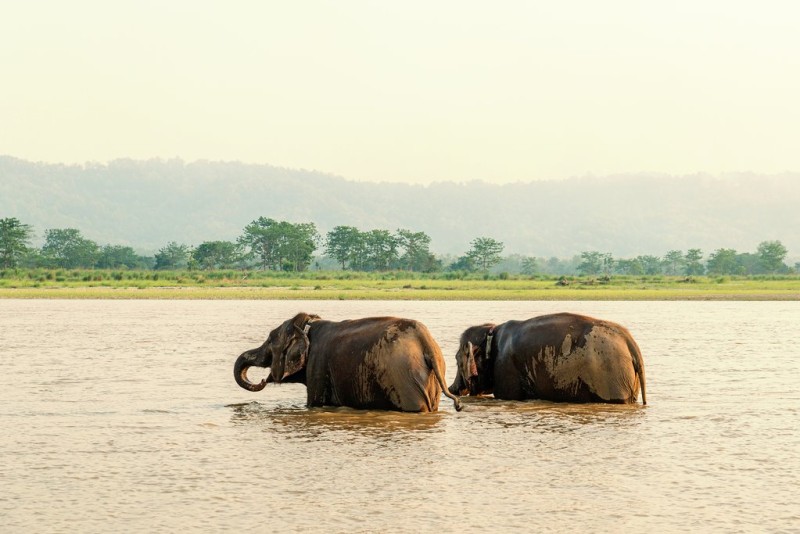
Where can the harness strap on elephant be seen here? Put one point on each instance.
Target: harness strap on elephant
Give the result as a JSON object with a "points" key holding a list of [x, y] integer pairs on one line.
{"points": [[307, 326], [489, 337]]}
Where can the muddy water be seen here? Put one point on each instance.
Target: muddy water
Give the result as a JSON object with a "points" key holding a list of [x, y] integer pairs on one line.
{"points": [[123, 416]]}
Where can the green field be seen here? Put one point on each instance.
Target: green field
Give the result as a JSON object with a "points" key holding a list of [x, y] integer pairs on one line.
{"points": [[346, 285]]}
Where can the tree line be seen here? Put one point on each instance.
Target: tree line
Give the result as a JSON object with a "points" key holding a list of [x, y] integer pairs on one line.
{"points": [[768, 259], [264, 244], [283, 246]]}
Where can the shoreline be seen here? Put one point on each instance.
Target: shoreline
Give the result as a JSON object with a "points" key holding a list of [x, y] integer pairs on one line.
{"points": [[425, 294]]}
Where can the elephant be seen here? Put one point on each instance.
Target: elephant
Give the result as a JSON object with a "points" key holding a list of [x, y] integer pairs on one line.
{"points": [[561, 357], [385, 363]]}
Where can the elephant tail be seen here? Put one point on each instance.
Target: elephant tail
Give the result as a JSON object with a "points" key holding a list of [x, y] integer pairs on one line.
{"points": [[638, 366], [434, 359]]}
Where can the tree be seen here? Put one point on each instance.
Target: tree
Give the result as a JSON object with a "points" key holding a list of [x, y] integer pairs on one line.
{"points": [[359, 259], [216, 254], [693, 265], [261, 237], [117, 256], [749, 263], [172, 256], [596, 262], [560, 266], [297, 244], [463, 263], [650, 264], [591, 263], [771, 255], [280, 245], [485, 252], [431, 264], [723, 261], [67, 248], [417, 255], [342, 244], [607, 263], [530, 266], [674, 262], [381, 249], [631, 267], [14, 241]]}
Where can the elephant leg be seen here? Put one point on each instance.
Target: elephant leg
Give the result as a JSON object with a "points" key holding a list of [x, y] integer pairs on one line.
{"points": [[508, 382], [510, 389]]}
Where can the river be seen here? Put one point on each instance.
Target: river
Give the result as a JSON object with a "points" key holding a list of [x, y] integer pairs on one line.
{"points": [[123, 416]]}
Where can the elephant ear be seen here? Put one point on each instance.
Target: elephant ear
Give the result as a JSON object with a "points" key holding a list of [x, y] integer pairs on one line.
{"points": [[473, 368], [297, 345], [468, 368]]}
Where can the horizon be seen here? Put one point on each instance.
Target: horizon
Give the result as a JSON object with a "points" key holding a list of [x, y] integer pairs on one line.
{"points": [[587, 176]]}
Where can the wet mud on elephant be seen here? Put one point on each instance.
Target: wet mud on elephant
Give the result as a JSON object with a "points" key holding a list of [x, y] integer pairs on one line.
{"points": [[560, 357], [385, 363]]}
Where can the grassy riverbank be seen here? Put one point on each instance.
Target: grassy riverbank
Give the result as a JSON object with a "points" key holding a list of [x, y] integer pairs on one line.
{"points": [[96, 284]]}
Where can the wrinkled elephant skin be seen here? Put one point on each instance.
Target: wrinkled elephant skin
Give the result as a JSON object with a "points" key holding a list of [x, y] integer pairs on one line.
{"points": [[385, 363]]}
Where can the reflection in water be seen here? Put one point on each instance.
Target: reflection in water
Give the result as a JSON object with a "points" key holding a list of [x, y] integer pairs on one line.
{"points": [[305, 423], [546, 416], [300, 422]]}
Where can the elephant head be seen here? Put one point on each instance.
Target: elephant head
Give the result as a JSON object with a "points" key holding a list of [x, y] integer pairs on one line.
{"points": [[285, 352], [473, 362]]}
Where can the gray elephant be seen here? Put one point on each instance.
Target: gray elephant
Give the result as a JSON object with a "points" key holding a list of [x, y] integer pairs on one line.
{"points": [[561, 357], [384, 363]]}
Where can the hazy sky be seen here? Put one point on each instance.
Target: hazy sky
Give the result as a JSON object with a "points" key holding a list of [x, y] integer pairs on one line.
{"points": [[413, 91]]}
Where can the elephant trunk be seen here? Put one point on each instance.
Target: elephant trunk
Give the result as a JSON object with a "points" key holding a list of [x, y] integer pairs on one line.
{"points": [[245, 361], [458, 387]]}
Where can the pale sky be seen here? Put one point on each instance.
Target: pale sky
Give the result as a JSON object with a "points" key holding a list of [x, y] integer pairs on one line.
{"points": [[409, 91]]}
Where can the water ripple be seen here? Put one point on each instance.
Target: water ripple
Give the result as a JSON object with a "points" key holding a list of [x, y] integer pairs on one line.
{"points": [[133, 423]]}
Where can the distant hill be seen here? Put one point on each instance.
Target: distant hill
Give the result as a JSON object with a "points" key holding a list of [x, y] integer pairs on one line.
{"points": [[146, 204]]}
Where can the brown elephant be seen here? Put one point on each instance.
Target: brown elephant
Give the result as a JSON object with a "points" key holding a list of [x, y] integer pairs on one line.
{"points": [[561, 357], [384, 363]]}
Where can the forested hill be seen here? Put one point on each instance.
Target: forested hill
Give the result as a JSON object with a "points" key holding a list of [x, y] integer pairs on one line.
{"points": [[146, 204]]}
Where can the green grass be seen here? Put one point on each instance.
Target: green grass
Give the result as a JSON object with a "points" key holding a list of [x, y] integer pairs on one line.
{"points": [[345, 285]]}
